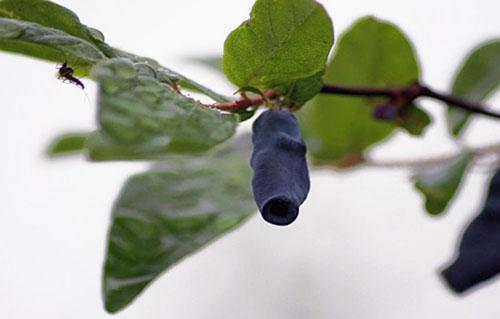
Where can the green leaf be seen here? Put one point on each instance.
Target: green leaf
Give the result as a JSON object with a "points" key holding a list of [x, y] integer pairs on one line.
{"points": [[45, 13], [172, 211], [438, 184], [478, 77], [169, 76], [143, 117], [415, 120], [45, 43], [303, 90], [67, 144], [372, 53], [54, 16], [283, 42]]}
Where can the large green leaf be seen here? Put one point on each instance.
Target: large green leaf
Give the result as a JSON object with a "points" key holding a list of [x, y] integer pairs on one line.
{"points": [[172, 211], [143, 117], [438, 184], [478, 77], [372, 53], [283, 42], [45, 43]]}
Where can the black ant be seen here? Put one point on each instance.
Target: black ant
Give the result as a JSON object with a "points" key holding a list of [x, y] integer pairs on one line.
{"points": [[66, 74]]}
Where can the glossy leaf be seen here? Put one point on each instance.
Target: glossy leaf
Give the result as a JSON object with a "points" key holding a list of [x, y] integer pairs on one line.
{"points": [[372, 53], [67, 144], [169, 76], [478, 77], [283, 43], [45, 43], [143, 117], [172, 211], [438, 184]]}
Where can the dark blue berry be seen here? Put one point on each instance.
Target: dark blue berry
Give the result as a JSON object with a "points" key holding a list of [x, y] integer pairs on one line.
{"points": [[479, 252], [281, 179]]}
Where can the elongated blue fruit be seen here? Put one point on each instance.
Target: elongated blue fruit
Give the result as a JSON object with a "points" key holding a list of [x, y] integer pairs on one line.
{"points": [[281, 179], [479, 252]]}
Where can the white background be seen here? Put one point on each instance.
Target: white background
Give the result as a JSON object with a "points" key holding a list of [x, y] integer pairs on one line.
{"points": [[362, 247]]}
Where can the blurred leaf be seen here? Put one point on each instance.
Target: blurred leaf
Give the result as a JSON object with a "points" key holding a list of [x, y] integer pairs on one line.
{"points": [[414, 120], [213, 62], [372, 53], [67, 144], [172, 211], [478, 77], [283, 42], [49, 44], [439, 183], [142, 117]]}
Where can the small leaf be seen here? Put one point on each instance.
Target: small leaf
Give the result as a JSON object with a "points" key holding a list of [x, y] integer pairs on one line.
{"points": [[142, 117], [478, 77], [415, 120], [49, 44], [304, 90], [372, 53], [283, 42], [439, 183], [172, 211], [67, 144]]}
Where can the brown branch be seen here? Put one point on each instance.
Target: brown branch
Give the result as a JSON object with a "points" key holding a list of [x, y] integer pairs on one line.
{"points": [[410, 93], [244, 102], [399, 95]]}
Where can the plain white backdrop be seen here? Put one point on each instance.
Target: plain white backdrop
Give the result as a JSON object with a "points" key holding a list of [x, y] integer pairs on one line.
{"points": [[362, 247]]}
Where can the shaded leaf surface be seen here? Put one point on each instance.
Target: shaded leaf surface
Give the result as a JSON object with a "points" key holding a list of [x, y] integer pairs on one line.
{"points": [[438, 184], [372, 53], [478, 77], [143, 117], [172, 211], [269, 50]]}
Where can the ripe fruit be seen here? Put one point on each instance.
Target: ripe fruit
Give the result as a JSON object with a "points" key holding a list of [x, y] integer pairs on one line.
{"points": [[281, 179], [479, 252]]}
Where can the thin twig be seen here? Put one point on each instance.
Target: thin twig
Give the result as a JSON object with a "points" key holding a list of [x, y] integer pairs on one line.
{"points": [[244, 102], [410, 93], [400, 95], [435, 160]]}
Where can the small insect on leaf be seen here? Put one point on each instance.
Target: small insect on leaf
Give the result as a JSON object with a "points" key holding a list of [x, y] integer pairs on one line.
{"points": [[65, 73]]}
